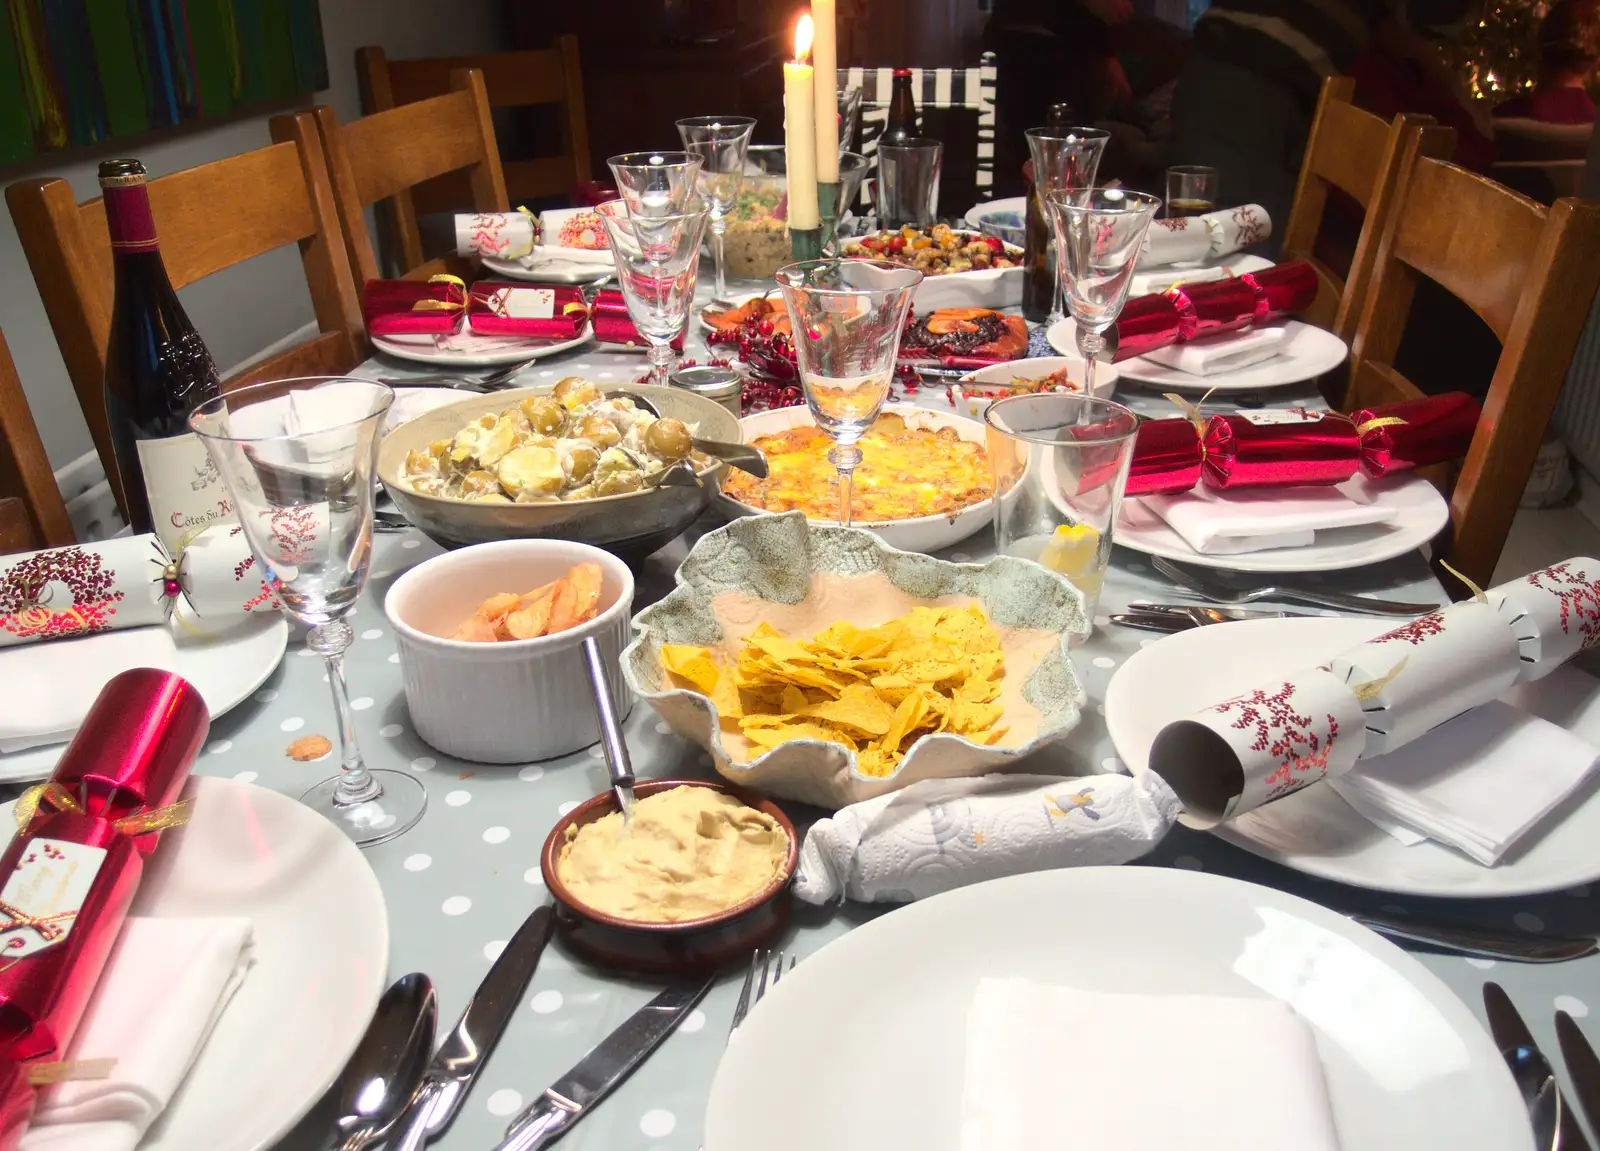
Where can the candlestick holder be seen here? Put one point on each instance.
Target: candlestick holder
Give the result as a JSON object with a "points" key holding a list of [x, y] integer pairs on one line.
{"points": [[828, 210], [805, 243]]}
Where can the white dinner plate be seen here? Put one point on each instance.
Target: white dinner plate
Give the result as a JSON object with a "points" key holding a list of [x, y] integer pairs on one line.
{"points": [[921, 534], [1307, 353], [868, 1034], [1010, 221], [1423, 514], [225, 667], [551, 272], [321, 951], [1159, 278], [467, 350], [1313, 830]]}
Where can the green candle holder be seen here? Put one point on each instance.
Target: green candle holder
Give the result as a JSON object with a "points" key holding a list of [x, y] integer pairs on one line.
{"points": [[805, 243], [828, 210]]}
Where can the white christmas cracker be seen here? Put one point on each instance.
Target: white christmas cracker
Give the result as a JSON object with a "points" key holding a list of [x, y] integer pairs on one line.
{"points": [[1262, 745], [941, 834], [498, 235], [221, 577], [1553, 613]]}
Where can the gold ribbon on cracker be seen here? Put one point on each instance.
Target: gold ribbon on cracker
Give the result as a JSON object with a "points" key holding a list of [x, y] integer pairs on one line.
{"points": [[62, 1070], [139, 823], [443, 305], [1373, 688], [1477, 592]]}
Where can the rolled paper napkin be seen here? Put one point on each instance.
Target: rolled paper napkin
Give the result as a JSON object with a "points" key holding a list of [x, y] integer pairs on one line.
{"points": [[1260, 746], [63, 593], [1279, 449], [1166, 457], [433, 307], [219, 574], [50, 687], [1192, 312], [498, 235], [1419, 675], [163, 989], [1225, 353], [613, 325], [1554, 613], [941, 834], [1227, 523], [1033, 1050], [1180, 241], [1431, 430], [136, 746], [552, 312]]}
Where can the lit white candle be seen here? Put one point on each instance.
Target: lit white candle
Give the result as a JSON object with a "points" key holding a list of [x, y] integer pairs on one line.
{"points": [[800, 132], [825, 59]]}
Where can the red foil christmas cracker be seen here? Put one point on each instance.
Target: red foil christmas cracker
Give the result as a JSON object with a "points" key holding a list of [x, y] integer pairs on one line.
{"points": [[613, 325], [1167, 455], [1262, 450], [1435, 429], [16, 1103], [1194, 311], [414, 307], [543, 311]]}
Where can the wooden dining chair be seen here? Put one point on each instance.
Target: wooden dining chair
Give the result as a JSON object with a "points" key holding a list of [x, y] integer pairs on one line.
{"points": [[547, 77], [1356, 153], [32, 513], [1530, 273], [380, 157], [208, 218]]}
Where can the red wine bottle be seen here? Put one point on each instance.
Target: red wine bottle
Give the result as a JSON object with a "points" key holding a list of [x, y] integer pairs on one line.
{"points": [[902, 124], [157, 371]]}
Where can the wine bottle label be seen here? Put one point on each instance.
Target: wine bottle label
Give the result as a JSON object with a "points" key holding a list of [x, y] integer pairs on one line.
{"points": [[42, 897], [185, 489]]}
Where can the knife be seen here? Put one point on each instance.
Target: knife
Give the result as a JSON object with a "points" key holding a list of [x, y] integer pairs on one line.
{"points": [[1583, 1067], [1216, 613], [611, 1061], [1510, 1033], [1161, 621], [449, 1077]]}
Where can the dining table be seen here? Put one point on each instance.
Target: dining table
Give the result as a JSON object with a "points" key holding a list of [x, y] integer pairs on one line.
{"points": [[460, 882]]}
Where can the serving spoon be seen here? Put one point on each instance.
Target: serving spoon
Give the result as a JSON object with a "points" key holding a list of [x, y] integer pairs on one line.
{"points": [[741, 456], [612, 744], [387, 1064]]}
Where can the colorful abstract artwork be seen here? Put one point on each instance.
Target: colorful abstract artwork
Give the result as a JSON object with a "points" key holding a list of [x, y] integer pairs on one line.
{"points": [[76, 72]]}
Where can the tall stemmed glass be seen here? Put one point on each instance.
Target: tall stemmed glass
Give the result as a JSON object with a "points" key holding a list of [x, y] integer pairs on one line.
{"points": [[721, 142], [847, 317], [1099, 235], [656, 183], [1065, 159], [657, 259], [298, 457]]}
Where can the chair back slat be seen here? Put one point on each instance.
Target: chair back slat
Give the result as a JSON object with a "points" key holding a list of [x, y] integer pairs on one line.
{"points": [[32, 513]]}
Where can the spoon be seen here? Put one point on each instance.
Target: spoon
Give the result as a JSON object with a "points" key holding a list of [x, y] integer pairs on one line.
{"points": [[611, 741], [387, 1064], [741, 456], [1536, 1080]]}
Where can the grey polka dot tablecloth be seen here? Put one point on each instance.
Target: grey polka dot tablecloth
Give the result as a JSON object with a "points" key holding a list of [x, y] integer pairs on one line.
{"points": [[460, 882]]}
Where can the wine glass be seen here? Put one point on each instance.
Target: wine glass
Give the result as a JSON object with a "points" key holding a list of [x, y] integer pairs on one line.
{"points": [[657, 259], [721, 143], [1065, 159], [656, 183], [298, 457], [1099, 234], [847, 317]]}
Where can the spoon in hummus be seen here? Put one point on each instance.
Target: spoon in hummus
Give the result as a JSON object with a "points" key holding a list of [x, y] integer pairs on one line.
{"points": [[611, 741]]}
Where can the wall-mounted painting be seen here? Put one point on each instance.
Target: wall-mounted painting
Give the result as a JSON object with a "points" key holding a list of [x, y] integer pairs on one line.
{"points": [[76, 72]]}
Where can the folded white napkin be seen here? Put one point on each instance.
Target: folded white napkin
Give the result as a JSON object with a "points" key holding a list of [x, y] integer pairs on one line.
{"points": [[1250, 520], [1225, 353], [49, 686], [1479, 783], [165, 985], [1049, 1067], [942, 834], [409, 403]]}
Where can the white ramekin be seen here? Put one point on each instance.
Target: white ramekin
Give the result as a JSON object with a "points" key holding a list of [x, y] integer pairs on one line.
{"points": [[510, 702]]}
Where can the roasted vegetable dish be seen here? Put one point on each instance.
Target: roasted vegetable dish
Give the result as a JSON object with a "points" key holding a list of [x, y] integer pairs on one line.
{"points": [[937, 250]]}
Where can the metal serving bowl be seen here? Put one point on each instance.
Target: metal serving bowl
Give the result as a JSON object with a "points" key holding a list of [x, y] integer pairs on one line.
{"points": [[631, 525]]}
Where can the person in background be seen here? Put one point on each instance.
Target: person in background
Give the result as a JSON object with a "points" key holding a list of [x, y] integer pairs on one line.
{"points": [[1569, 42], [1245, 98]]}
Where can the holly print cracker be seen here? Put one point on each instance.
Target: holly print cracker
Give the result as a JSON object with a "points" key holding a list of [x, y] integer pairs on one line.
{"points": [[1553, 613]]}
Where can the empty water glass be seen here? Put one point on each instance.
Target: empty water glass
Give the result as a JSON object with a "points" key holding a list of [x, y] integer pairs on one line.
{"points": [[657, 258], [721, 142], [1099, 234], [656, 183], [847, 317], [299, 457], [908, 182], [849, 111], [1065, 159]]}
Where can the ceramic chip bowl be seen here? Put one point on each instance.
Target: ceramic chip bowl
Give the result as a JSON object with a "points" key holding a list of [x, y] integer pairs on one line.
{"points": [[773, 558]]}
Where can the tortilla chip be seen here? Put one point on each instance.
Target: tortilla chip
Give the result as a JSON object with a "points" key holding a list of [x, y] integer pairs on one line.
{"points": [[694, 665]]}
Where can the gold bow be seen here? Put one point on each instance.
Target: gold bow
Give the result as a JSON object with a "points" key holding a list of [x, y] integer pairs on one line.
{"points": [[139, 823], [1374, 687], [443, 305]]}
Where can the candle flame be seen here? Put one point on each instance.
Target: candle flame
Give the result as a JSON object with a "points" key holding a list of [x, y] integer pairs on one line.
{"points": [[802, 38]]}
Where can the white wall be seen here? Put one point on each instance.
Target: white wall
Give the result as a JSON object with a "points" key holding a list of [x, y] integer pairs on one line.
{"points": [[241, 310]]}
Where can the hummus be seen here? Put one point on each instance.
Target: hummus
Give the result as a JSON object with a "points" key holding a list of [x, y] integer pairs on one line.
{"points": [[690, 852]]}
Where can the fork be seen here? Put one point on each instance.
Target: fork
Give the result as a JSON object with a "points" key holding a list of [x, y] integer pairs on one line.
{"points": [[1202, 588], [766, 963], [463, 383]]}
